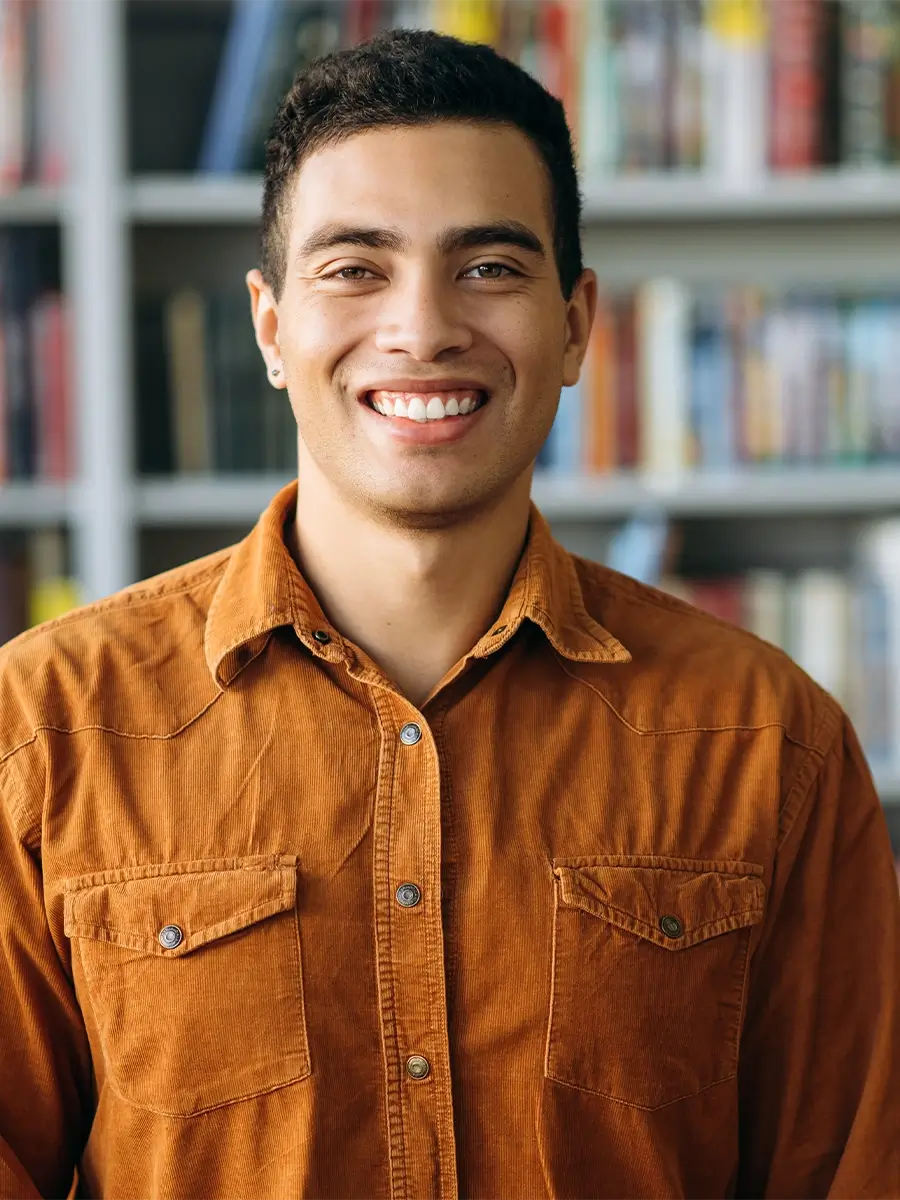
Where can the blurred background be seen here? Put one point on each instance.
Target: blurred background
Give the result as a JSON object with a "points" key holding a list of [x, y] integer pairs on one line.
{"points": [[735, 437]]}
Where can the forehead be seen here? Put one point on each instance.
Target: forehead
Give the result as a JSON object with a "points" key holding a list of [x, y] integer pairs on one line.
{"points": [[423, 178]]}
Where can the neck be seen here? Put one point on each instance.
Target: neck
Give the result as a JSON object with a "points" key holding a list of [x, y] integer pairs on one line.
{"points": [[415, 600]]}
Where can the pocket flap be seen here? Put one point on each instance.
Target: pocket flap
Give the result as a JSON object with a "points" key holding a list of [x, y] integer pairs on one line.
{"points": [[639, 899], [205, 900]]}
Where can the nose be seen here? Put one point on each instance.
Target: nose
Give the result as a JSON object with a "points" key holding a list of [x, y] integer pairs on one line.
{"points": [[422, 317]]}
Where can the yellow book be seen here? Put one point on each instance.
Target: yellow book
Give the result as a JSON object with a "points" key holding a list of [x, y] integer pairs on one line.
{"points": [[737, 20], [52, 592], [468, 20]]}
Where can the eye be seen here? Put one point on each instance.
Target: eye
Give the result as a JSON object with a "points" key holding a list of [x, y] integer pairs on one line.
{"points": [[341, 274], [492, 266]]}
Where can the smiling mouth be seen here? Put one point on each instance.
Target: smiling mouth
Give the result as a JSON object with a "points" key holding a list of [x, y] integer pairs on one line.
{"points": [[426, 406]]}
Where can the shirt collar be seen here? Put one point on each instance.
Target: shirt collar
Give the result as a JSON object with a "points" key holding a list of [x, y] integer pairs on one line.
{"points": [[262, 589]]}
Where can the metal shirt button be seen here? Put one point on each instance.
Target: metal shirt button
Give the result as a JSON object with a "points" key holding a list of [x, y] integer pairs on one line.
{"points": [[671, 927], [321, 636], [408, 895], [410, 734], [417, 1067], [170, 936]]}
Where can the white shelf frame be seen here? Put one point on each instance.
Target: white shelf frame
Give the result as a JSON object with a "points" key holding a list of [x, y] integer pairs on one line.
{"points": [[184, 501], [663, 197]]}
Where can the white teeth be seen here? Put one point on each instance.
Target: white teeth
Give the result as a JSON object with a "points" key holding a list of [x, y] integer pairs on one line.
{"points": [[422, 407]]}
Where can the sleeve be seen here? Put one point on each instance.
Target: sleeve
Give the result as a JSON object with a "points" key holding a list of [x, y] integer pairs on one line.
{"points": [[45, 1078], [819, 1075]]}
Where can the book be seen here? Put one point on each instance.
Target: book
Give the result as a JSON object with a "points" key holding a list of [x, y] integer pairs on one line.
{"points": [[866, 47], [186, 344], [736, 91], [228, 122], [13, 65], [663, 315], [797, 28]]}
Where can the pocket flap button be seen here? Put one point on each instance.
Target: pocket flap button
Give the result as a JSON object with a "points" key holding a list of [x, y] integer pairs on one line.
{"points": [[671, 927], [170, 936]]}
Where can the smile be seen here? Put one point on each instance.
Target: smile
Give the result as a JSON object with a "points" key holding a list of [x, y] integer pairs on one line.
{"points": [[426, 406]]}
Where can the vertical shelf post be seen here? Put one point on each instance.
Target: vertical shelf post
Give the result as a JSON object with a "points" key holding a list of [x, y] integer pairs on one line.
{"points": [[96, 258]]}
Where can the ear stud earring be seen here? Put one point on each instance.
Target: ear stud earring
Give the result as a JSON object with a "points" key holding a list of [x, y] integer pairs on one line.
{"points": [[275, 371]]}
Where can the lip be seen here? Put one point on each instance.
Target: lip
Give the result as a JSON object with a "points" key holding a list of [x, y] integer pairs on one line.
{"points": [[424, 387], [394, 432]]}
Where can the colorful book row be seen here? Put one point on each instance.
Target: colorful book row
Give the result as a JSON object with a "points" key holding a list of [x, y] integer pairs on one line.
{"points": [[737, 87], [679, 378]]}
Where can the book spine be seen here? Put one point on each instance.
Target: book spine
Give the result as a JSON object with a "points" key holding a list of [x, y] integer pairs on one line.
{"points": [[252, 24], [566, 436], [736, 90], [796, 79], [12, 94], [664, 375], [600, 392], [866, 36], [51, 114], [598, 138], [628, 432]]}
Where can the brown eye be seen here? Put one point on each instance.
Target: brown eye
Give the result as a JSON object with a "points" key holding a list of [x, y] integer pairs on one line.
{"points": [[494, 267]]}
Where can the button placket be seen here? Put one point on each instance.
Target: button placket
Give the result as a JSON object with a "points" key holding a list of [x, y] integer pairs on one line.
{"points": [[412, 988]]}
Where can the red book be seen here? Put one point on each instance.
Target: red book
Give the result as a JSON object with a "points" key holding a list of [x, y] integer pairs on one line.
{"points": [[48, 332], [795, 120], [627, 392], [721, 598], [558, 60]]}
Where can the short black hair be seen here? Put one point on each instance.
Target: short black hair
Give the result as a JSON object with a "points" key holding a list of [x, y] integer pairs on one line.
{"points": [[416, 77]]}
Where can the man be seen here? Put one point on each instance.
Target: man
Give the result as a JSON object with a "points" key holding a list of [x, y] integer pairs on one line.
{"points": [[394, 852]]}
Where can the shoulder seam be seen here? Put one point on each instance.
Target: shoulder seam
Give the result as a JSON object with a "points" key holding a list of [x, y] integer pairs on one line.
{"points": [[117, 600], [683, 728]]}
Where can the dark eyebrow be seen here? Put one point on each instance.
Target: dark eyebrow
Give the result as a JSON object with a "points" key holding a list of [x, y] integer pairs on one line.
{"points": [[463, 237]]}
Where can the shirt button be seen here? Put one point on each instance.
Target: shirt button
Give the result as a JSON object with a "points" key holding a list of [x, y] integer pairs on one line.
{"points": [[417, 1067], [410, 734], [671, 927], [321, 636], [170, 936], [408, 895]]}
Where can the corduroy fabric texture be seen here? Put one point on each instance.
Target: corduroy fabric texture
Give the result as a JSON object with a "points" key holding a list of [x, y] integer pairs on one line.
{"points": [[656, 949]]}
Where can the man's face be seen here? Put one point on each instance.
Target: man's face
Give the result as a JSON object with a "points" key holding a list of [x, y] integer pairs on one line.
{"points": [[420, 266]]}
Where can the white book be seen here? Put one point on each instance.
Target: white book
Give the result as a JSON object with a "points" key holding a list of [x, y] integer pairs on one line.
{"points": [[765, 605], [736, 85], [878, 555], [819, 628], [598, 141], [664, 316]]}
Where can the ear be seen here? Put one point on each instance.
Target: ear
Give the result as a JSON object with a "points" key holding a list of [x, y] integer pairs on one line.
{"points": [[580, 313], [265, 322]]}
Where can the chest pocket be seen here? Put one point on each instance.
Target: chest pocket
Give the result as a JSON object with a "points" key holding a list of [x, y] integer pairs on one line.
{"points": [[649, 973], [194, 977]]}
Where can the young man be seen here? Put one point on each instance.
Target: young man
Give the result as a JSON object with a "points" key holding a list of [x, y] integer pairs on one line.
{"points": [[394, 852]]}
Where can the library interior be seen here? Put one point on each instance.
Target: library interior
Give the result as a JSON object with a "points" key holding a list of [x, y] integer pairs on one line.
{"points": [[735, 434]]}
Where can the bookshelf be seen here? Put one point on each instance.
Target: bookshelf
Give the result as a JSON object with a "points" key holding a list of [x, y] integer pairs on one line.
{"points": [[118, 227]]}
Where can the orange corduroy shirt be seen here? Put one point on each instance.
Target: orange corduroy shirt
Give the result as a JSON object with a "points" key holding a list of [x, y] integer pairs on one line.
{"points": [[614, 914]]}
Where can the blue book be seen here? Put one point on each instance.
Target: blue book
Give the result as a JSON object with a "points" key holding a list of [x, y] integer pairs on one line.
{"points": [[253, 23], [712, 393], [565, 451]]}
